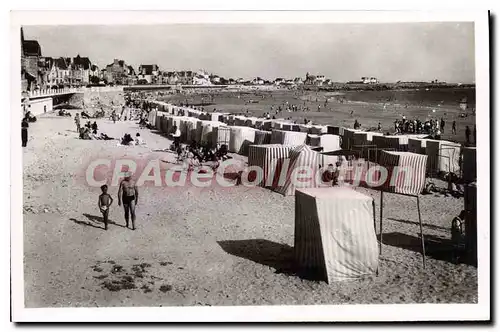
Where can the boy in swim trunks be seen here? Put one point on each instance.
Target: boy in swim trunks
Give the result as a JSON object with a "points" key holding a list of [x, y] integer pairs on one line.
{"points": [[104, 202]]}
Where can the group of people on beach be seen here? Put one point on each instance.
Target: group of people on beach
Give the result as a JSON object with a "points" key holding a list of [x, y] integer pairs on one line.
{"points": [[432, 127]]}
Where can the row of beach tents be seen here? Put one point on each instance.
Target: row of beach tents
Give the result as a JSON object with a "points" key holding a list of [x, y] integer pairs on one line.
{"points": [[240, 132]]}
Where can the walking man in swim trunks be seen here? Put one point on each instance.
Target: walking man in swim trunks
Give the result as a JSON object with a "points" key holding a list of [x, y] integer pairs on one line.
{"points": [[129, 194]]}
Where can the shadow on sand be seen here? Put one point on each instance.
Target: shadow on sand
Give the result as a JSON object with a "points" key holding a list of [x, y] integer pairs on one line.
{"points": [[439, 228], [275, 255], [435, 247], [95, 219]]}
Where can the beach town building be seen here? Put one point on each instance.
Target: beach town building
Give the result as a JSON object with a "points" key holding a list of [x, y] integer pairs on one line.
{"points": [[80, 71], [315, 79], [369, 80], [202, 78], [298, 80], [215, 79], [258, 81], [30, 54], [58, 72], [149, 73], [170, 77], [279, 81], [131, 76], [64, 71], [117, 72], [184, 77]]}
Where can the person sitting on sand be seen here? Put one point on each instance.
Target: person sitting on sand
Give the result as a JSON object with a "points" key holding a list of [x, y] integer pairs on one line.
{"points": [[105, 137], [127, 140], [139, 140], [86, 134]]}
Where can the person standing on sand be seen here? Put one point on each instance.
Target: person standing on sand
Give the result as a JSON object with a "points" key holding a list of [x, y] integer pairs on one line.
{"points": [[441, 124], [24, 131], [129, 195], [77, 122], [454, 127], [104, 202], [379, 127]]}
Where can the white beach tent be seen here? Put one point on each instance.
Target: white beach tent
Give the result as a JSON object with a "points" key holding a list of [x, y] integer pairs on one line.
{"points": [[318, 130], [241, 138], [327, 142], [288, 137], [334, 234], [443, 156], [207, 128]]}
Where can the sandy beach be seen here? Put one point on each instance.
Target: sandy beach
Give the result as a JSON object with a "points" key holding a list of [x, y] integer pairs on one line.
{"points": [[212, 246]]}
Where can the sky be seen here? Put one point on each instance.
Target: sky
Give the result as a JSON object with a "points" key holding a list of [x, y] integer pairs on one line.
{"points": [[341, 52]]}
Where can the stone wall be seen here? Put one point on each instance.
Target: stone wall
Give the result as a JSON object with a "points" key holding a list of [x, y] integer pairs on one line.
{"points": [[40, 106], [76, 100]]}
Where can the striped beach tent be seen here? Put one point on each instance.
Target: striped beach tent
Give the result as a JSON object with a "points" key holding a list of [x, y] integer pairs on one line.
{"points": [[405, 176], [347, 138], [443, 156], [262, 137], [158, 121], [152, 118], [239, 120], [333, 130], [380, 142], [417, 145], [470, 206], [191, 131], [397, 142], [164, 124], [266, 125], [318, 130], [207, 128], [303, 128], [405, 172], [221, 135], [267, 157], [288, 137], [302, 159], [216, 116], [469, 161], [250, 122], [241, 137], [334, 235]]}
